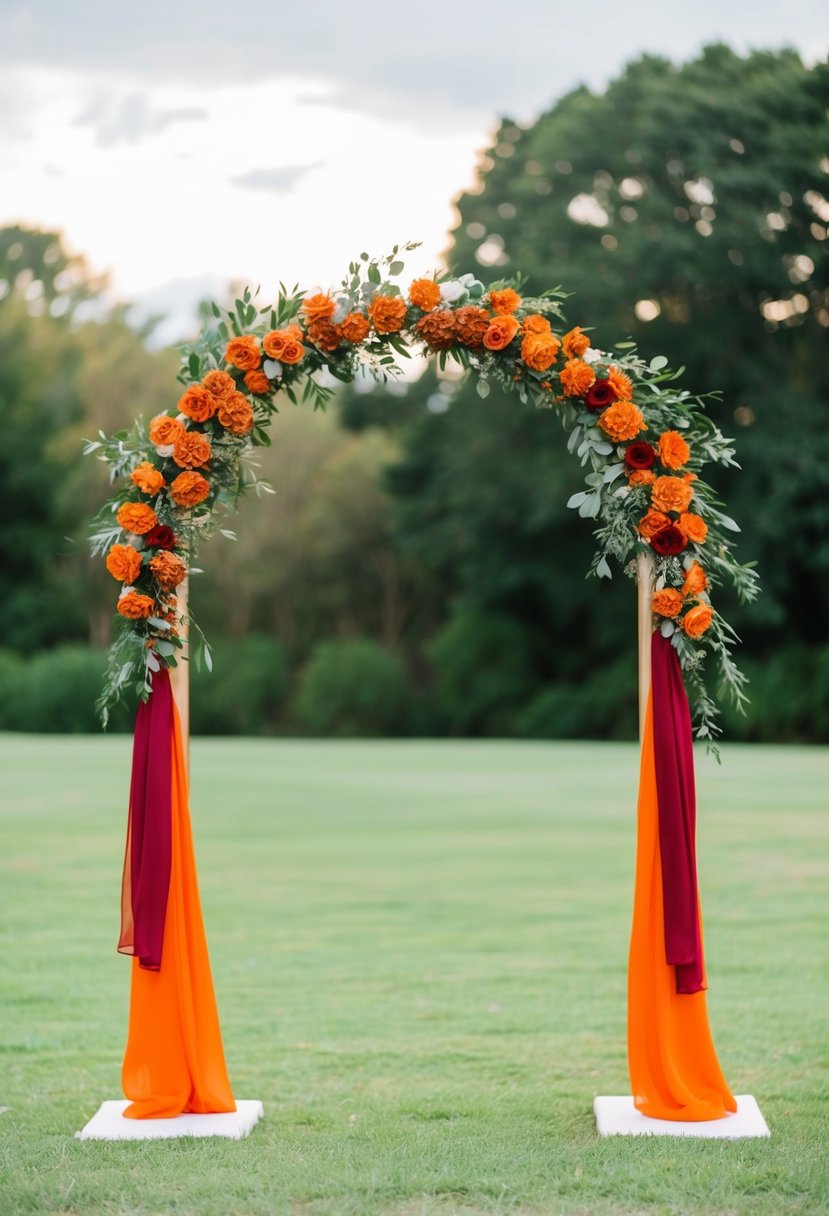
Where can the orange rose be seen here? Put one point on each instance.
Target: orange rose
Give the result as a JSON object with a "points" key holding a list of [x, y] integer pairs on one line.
{"points": [[134, 606], [694, 527], [539, 351], [318, 308], [136, 517], [673, 450], [577, 378], [193, 450], [236, 415], [219, 384], [257, 382], [535, 324], [147, 477], [243, 353], [641, 477], [197, 403], [504, 301], [168, 569], [667, 602], [622, 384], [388, 314], [292, 352], [325, 334], [471, 324], [697, 620], [425, 294], [500, 332], [274, 342], [622, 421], [670, 493], [355, 328], [165, 431], [575, 343], [651, 523], [695, 580], [189, 489], [124, 563]]}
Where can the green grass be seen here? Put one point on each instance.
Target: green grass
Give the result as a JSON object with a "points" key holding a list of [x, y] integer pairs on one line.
{"points": [[419, 952]]}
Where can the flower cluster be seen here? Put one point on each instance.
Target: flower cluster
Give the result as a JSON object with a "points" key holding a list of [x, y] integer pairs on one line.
{"points": [[643, 440]]}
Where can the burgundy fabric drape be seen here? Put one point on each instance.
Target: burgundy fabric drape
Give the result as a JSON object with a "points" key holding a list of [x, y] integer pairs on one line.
{"points": [[674, 758], [146, 880]]}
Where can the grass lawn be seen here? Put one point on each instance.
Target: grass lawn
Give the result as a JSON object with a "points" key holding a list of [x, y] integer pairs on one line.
{"points": [[419, 952]]}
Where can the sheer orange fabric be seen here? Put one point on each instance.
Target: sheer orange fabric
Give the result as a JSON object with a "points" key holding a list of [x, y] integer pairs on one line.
{"points": [[674, 1071], [174, 1061]]}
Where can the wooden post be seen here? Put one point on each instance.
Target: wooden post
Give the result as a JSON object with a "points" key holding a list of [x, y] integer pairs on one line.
{"points": [[644, 575], [180, 675]]}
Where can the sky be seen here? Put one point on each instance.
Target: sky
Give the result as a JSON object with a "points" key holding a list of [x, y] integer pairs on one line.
{"points": [[183, 145]]}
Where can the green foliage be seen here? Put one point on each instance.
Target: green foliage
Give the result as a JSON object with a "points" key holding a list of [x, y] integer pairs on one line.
{"points": [[53, 692], [353, 688], [245, 692], [604, 706]]}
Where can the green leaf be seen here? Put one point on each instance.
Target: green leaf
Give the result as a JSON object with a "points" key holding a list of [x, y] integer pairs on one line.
{"points": [[373, 273], [482, 388], [658, 363], [396, 268]]}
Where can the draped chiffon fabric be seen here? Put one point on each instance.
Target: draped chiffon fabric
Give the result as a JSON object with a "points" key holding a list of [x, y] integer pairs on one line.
{"points": [[174, 1060], [674, 1070]]}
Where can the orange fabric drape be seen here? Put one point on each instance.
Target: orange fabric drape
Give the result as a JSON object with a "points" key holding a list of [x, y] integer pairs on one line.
{"points": [[674, 1071], [174, 1061]]}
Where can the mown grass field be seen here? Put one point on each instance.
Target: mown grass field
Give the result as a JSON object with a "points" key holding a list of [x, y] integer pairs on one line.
{"points": [[419, 951]]}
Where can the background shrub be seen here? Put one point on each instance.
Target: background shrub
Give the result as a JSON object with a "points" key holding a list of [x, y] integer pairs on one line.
{"points": [[353, 688], [245, 692]]}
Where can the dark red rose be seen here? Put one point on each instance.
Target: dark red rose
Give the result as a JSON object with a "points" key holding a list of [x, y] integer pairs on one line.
{"points": [[600, 396], [668, 541], [640, 455], [160, 537]]}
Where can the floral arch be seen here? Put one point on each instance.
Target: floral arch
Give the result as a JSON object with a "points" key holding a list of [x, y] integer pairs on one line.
{"points": [[642, 441]]}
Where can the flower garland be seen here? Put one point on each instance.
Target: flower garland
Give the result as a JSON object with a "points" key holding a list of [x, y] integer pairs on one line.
{"points": [[642, 440]]}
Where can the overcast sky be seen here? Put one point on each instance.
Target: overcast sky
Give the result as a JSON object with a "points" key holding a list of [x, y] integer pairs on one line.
{"points": [[183, 144]]}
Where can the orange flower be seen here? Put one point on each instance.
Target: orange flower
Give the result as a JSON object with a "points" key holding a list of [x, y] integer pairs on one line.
{"points": [[471, 324], [667, 602], [539, 351], [621, 383], [425, 294], [670, 493], [292, 352], [576, 378], [134, 606], [136, 517], [193, 450], [575, 343], [325, 334], [437, 329], [257, 382], [622, 421], [535, 323], [651, 523], [695, 580], [236, 415], [355, 327], [388, 314], [504, 301], [641, 477], [197, 403], [318, 308], [219, 384], [147, 477], [273, 343], [169, 570], [697, 620], [189, 489], [694, 526], [243, 353], [124, 563], [673, 450], [165, 431], [500, 332]]}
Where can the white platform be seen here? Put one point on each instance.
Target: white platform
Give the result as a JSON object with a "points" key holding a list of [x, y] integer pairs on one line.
{"points": [[619, 1117], [109, 1124]]}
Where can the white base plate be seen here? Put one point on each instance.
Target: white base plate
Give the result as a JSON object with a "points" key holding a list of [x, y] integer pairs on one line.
{"points": [[619, 1117], [109, 1124]]}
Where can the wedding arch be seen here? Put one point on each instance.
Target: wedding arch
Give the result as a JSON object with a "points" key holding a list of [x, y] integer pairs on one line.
{"points": [[643, 442]]}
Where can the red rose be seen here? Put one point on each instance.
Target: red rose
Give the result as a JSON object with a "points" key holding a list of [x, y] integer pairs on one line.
{"points": [[160, 537], [600, 396], [668, 541], [640, 455]]}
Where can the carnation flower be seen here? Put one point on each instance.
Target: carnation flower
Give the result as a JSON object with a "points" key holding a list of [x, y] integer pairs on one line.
{"points": [[425, 294], [387, 313], [147, 477], [189, 489], [437, 329], [136, 517], [673, 450], [667, 603], [123, 563], [622, 421], [135, 606], [577, 378], [671, 494]]}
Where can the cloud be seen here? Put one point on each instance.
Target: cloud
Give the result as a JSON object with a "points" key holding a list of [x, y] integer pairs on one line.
{"points": [[279, 181], [131, 118]]}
